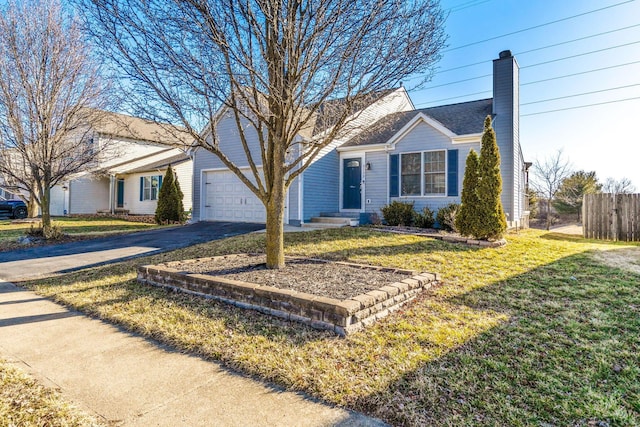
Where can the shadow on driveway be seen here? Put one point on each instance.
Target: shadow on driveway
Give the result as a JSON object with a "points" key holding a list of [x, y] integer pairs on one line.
{"points": [[43, 260]]}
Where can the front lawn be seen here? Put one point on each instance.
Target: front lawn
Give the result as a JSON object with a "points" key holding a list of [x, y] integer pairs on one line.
{"points": [[538, 332], [76, 228]]}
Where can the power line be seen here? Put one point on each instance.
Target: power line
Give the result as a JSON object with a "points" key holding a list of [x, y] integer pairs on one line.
{"points": [[538, 26], [580, 73], [453, 97], [457, 81], [577, 40], [580, 94], [541, 48], [580, 54], [580, 106], [533, 82], [466, 5]]}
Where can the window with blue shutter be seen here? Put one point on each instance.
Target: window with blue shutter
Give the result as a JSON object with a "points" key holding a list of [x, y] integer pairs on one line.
{"points": [[394, 175], [150, 187], [452, 173]]}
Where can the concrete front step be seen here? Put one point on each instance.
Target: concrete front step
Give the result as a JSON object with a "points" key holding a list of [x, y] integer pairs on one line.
{"points": [[323, 221]]}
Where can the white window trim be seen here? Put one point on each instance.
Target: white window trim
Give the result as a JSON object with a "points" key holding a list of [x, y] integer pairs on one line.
{"points": [[144, 199], [422, 174]]}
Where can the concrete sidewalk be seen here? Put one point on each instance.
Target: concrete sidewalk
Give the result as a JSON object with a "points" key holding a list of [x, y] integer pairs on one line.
{"points": [[130, 381]]}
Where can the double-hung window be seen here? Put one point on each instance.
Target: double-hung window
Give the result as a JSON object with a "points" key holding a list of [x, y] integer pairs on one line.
{"points": [[423, 174], [150, 187]]}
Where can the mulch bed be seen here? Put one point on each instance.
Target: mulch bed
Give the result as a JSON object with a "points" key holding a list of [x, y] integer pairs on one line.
{"points": [[318, 277]]}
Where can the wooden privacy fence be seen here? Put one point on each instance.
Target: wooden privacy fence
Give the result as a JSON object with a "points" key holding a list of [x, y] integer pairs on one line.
{"points": [[611, 217]]}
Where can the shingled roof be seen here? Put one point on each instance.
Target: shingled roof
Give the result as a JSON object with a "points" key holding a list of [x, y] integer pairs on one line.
{"points": [[462, 119]]}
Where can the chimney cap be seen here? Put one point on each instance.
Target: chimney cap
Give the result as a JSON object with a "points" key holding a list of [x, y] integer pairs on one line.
{"points": [[505, 54]]}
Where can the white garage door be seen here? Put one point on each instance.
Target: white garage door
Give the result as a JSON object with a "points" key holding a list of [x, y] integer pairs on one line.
{"points": [[228, 199]]}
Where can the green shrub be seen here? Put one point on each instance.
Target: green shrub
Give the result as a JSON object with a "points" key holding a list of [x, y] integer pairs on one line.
{"points": [[399, 213], [170, 208], [425, 218], [446, 217], [492, 222], [467, 219]]}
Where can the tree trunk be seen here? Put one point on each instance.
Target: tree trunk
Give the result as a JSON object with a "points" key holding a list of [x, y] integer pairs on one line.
{"points": [[45, 202], [33, 208], [275, 226]]}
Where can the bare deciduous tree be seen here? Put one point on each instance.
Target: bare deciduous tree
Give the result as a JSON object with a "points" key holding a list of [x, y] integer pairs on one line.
{"points": [[50, 95], [276, 64], [621, 186], [548, 175]]}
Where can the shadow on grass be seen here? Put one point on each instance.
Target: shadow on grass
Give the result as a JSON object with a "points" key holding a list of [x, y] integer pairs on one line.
{"points": [[568, 354], [556, 344]]}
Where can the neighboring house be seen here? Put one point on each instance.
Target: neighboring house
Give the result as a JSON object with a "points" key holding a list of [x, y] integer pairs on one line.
{"points": [[128, 175], [399, 153]]}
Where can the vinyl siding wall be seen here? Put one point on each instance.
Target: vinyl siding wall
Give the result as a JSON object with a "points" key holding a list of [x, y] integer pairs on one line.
{"points": [[421, 138], [88, 195], [231, 145], [321, 182], [136, 206], [506, 124]]}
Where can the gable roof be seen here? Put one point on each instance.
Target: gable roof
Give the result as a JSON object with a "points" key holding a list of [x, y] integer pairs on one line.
{"points": [[130, 127], [464, 118], [330, 110]]}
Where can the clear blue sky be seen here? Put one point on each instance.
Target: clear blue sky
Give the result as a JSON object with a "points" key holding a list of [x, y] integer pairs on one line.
{"points": [[603, 138]]}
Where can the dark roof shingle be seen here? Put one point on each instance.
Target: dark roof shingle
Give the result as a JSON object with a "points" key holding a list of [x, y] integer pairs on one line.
{"points": [[462, 119]]}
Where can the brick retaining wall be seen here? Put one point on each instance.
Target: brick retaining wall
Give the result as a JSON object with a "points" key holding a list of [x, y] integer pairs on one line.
{"points": [[340, 316]]}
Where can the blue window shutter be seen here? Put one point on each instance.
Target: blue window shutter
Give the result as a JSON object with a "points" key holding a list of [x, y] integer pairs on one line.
{"points": [[159, 182], [452, 173], [141, 188], [394, 175]]}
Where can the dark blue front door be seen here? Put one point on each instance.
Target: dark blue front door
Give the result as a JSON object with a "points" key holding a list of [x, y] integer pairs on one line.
{"points": [[120, 192], [351, 176]]}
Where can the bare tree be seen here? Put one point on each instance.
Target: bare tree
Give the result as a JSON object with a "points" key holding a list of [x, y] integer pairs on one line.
{"points": [[622, 186], [548, 176], [50, 95], [279, 65]]}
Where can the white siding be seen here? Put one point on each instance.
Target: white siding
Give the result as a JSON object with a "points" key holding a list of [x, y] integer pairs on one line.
{"points": [[88, 195], [117, 150], [184, 173], [58, 201]]}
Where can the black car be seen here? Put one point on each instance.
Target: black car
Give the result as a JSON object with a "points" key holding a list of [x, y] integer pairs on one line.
{"points": [[13, 208]]}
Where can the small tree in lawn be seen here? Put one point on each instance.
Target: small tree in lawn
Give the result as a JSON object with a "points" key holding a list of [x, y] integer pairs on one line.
{"points": [[491, 219], [170, 207], [467, 217]]}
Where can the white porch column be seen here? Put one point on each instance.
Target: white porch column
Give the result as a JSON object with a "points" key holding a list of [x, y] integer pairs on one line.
{"points": [[112, 192]]}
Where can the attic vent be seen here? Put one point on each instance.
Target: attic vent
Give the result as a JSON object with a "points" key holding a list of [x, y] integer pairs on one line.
{"points": [[505, 54]]}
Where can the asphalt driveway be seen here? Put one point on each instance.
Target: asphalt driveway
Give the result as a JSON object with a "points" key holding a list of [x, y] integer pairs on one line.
{"points": [[40, 261]]}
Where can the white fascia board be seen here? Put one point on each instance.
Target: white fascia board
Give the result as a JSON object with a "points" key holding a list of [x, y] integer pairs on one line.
{"points": [[420, 118], [364, 148], [467, 139]]}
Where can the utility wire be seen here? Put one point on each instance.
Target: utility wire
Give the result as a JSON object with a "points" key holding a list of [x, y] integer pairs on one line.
{"points": [[580, 54], [466, 5], [453, 97], [538, 26], [525, 84], [580, 94], [539, 48], [580, 73], [534, 82], [580, 106]]}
